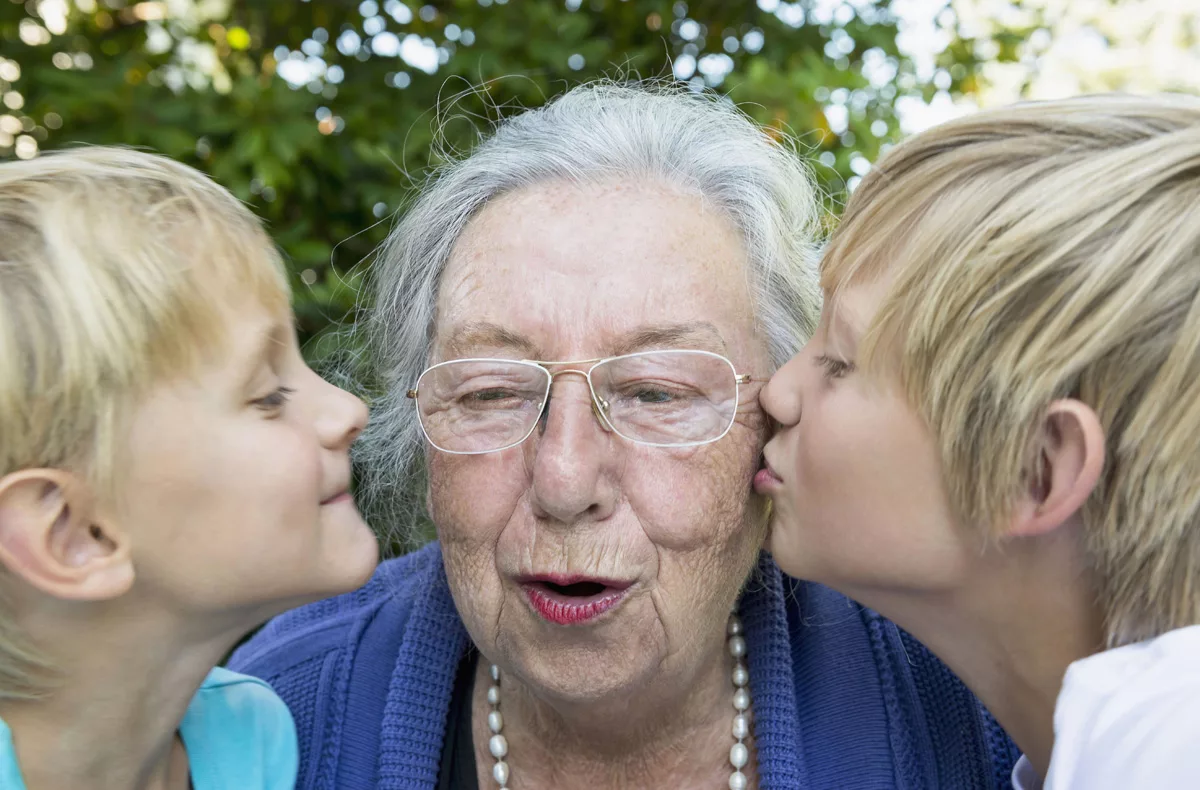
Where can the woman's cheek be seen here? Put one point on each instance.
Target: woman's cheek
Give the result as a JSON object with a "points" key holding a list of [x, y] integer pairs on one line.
{"points": [[687, 503], [472, 498], [468, 513]]}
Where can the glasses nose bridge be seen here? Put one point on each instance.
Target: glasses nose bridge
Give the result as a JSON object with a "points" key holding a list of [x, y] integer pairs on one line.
{"points": [[599, 408], [587, 374]]}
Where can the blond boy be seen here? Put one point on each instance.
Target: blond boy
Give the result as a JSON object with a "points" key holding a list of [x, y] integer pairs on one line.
{"points": [[994, 436], [171, 475]]}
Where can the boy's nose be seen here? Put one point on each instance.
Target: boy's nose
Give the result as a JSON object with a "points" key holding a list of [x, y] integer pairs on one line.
{"points": [[343, 417], [780, 397]]}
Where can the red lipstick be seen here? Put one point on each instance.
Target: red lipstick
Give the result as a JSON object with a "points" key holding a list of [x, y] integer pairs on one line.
{"points": [[572, 600]]}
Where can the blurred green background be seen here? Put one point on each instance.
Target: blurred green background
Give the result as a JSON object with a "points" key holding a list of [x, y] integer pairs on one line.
{"points": [[324, 116]]}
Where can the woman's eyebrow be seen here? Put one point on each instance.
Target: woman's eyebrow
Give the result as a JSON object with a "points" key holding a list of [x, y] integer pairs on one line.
{"points": [[701, 335], [484, 334]]}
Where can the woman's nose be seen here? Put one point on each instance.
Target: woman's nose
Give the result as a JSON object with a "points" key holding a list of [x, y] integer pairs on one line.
{"points": [[780, 397], [572, 458]]}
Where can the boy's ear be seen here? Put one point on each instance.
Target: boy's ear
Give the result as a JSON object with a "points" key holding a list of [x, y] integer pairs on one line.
{"points": [[50, 537], [1067, 459]]}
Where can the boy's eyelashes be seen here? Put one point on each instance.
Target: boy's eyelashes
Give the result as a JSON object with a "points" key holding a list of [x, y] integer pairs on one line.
{"points": [[273, 400], [833, 367]]}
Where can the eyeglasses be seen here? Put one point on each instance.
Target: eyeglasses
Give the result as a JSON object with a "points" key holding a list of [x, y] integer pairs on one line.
{"points": [[675, 398]]}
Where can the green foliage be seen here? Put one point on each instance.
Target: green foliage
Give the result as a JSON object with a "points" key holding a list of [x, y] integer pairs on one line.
{"points": [[327, 160]]}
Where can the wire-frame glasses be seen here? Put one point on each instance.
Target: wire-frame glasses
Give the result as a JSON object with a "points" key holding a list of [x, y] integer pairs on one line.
{"points": [[667, 398]]}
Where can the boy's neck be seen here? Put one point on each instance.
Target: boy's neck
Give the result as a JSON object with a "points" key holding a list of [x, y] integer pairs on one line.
{"points": [[1029, 612], [111, 721]]}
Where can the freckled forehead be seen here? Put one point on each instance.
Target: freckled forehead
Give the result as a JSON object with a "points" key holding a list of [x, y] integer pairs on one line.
{"points": [[569, 264]]}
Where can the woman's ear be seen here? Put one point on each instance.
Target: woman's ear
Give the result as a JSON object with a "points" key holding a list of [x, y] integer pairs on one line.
{"points": [[50, 537], [1067, 458]]}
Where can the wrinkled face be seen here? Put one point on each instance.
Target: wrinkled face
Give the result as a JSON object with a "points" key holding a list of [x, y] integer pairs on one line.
{"points": [[853, 475], [580, 561], [235, 497]]}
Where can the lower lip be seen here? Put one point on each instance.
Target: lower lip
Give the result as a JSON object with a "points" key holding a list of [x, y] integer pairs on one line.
{"points": [[766, 481], [342, 497], [571, 610]]}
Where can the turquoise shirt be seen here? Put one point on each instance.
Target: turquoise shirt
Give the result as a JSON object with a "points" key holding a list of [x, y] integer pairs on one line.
{"points": [[237, 731]]}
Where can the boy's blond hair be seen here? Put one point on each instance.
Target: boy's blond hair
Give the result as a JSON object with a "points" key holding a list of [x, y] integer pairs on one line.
{"points": [[117, 269], [1036, 252]]}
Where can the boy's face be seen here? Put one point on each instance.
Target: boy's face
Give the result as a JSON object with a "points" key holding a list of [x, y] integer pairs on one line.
{"points": [[235, 495], [854, 476]]}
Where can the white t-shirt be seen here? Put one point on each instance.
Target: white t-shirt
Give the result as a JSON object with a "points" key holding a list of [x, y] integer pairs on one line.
{"points": [[1127, 719]]}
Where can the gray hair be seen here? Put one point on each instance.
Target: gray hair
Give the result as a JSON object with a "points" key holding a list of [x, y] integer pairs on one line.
{"points": [[698, 142]]}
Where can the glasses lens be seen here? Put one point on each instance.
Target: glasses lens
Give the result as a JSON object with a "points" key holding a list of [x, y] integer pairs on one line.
{"points": [[477, 406], [668, 397]]}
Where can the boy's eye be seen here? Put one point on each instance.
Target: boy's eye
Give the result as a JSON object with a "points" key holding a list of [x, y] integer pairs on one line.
{"points": [[834, 368], [274, 400]]}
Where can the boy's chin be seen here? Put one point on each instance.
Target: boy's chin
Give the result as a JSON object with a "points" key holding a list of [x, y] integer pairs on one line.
{"points": [[349, 557], [366, 558], [353, 552]]}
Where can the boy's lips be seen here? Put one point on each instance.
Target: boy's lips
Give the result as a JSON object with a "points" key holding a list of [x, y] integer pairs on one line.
{"points": [[766, 479], [340, 491], [341, 496]]}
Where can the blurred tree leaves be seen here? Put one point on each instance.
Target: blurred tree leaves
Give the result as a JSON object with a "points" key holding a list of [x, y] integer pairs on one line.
{"points": [[324, 115]]}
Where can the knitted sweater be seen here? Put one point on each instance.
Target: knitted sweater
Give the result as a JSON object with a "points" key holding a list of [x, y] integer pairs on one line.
{"points": [[842, 697]]}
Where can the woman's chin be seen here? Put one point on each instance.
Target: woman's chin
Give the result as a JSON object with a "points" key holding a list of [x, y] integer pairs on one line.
{"points": [[577, 679], [578, 665]]}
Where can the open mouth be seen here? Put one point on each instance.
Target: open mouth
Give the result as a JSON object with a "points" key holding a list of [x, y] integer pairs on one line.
{"points": [[576, 590], [571, 601]]}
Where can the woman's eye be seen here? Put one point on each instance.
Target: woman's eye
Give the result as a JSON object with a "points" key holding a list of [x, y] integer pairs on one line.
{"points": [[834, 368], [275, 400], [647, 393], [495, 398], [650, 395], [491, 395]]}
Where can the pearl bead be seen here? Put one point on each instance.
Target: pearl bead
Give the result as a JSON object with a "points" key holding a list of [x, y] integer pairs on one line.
{"points": [[498, 746], [739, 755]]}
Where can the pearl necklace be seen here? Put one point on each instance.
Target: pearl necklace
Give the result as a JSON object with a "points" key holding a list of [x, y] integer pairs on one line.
{"points": [[739, 753]]}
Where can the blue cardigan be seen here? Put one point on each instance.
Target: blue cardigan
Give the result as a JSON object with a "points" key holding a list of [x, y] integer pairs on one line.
{"points": [[842, 697]]}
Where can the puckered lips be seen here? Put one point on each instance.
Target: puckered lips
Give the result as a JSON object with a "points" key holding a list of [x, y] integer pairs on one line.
{"points": [[572, 600], [766, 479], [339, 491], [341, 496]]}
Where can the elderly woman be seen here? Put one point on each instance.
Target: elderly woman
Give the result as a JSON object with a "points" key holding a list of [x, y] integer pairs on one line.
{"points": [[573, 323]]}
